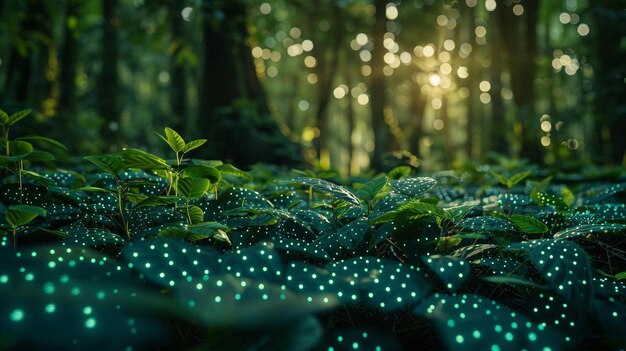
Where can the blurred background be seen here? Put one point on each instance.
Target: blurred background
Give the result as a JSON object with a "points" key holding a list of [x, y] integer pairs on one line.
{"points": [[342, 84]]}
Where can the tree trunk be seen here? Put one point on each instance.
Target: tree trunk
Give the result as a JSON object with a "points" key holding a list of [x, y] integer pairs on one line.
{"points": [[416, 119], [521, 50], [108, 108], [608, 138], [377, 88], [68, 58], [326, 71], [499, 127], [178, 77], [233, 112]]}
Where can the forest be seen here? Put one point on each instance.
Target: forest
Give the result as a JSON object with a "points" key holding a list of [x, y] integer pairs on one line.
{"points": [[313, 174]]}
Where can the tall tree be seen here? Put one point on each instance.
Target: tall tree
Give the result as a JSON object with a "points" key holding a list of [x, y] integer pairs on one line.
{"points": [[378, 88], [520, 49], [610, 64], [107, 104], [233, 104], [178, 75]]}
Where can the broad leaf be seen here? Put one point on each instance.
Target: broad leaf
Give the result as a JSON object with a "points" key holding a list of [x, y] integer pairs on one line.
{"points": [[588, 229], [452, 271], [112, 164], [328, 188], [194, 144], [200, 171], [564, 265], [528, 224], [470, 322], [17, 116], [19, 215], [135, 158], [413, 187], [174, 140], [369, 190], [192, 188]]}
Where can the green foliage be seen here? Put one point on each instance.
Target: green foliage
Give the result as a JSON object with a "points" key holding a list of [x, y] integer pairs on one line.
{"points": [[134, 236]]}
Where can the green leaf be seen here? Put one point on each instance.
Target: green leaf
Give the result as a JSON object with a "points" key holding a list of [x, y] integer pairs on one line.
{"points": [[528, 224], [353, 234], [499, 177], [195, 213], [588, 229], [93, 189], [516, 178], [232, 170], [4, 117], [112, 164], [192, 188], [621, 276], [39, 156], [468, 322], [452, 271], [511, 280], [333, 190], [43, 139], [199, 171], [158, 201], [545, 199], [194, 144], [399, 172], [17, 116], [413, 187], [457, 213], [20, 148], [135, 198], [410, 211], [568, 196], [563, 265], [174, 140], [369, 190], [19, 215], [135, 158], [38, 178]]}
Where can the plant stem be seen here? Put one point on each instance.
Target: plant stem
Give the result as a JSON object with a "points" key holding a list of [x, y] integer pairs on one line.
{"points": [[120, 205], [19, 175], [14, 238], [6, 141]]}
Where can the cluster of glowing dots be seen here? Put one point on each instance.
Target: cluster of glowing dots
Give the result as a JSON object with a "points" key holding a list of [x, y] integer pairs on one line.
{"points": [[354, 345], [468, 307]]}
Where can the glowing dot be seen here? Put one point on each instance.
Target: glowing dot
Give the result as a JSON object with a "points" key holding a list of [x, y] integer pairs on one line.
{"points": [[90, 323], [17, 315], [87, 310], [50, 308], [532, 336], [518, 10], [459, 338]]}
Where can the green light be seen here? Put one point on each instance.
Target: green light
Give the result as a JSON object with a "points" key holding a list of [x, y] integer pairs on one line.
{"points": [[508, 336], [90, 323], [460, 339], [50, 308], [17, 315], [476, 334], [532, 336]]}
